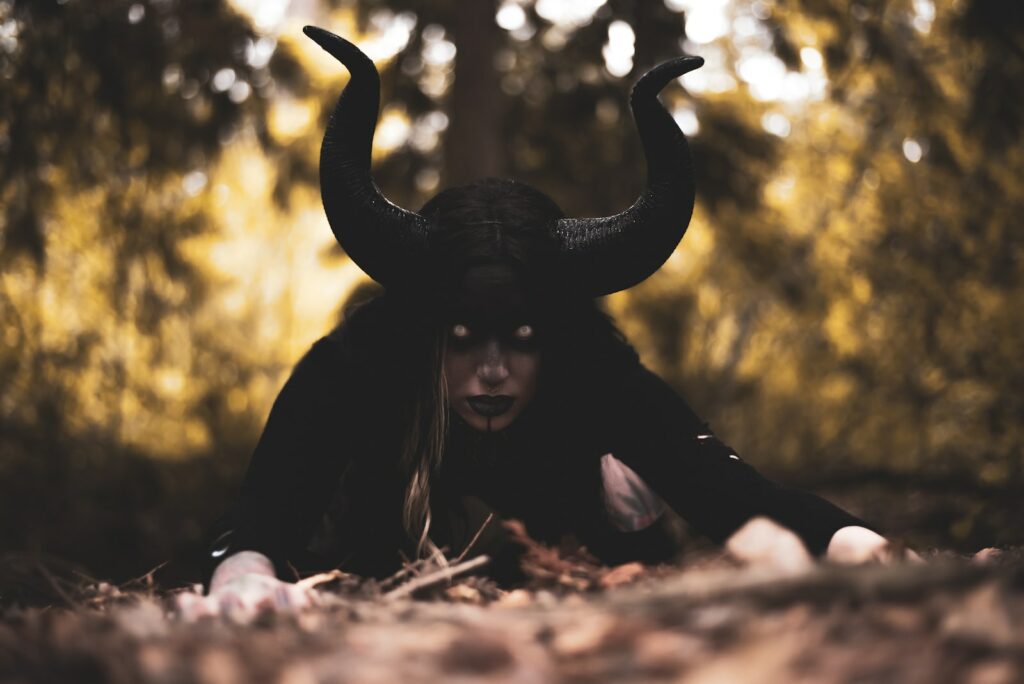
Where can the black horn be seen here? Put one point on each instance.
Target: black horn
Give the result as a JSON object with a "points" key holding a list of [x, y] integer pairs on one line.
{"points": [[383, 239], [613, 253]]}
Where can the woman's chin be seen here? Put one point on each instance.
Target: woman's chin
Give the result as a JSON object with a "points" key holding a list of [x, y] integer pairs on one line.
{"points": [[485, 424]]}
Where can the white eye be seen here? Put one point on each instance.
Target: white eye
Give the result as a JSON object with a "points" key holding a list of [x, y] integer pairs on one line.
{"points": [[459, 331], [524, 332]]}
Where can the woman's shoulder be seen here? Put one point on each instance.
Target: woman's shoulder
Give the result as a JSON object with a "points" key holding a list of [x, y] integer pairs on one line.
{"points": [[373, 341], [363, 328], [349, 365]]}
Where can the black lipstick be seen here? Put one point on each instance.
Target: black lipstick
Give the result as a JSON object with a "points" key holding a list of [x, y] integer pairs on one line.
{"points": [[489, 406]]}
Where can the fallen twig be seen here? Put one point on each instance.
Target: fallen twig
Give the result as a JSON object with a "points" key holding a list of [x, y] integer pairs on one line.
{"points": [[316, 580], [458, 559], [409, 568], [146, 579], [55, 585], [432, 578]]}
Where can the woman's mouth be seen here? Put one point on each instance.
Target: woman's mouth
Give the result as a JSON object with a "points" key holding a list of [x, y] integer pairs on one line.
{"points": [[489, 406]]}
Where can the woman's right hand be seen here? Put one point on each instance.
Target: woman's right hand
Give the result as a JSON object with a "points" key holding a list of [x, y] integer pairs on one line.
{"points": [[243, 585]]}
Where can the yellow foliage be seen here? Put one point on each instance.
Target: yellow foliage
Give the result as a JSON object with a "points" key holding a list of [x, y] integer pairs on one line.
{"points": [[290, 119], [318, 66], [867, 298], [837, 387], [720, 345], [392, 132], [841, 327], [860, 288]]}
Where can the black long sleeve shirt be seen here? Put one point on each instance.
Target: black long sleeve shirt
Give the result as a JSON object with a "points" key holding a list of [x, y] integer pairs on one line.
{"points": [[324, 487]]}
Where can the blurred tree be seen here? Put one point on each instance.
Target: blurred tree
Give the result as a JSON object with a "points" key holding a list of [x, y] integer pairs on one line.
{"points": [[101, 93], [899, 235], [111, 116]]}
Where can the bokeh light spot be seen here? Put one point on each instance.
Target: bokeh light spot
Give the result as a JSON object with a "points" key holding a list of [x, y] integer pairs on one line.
{"points": [[618, 51], [510, 16], [912, 150], [775, 123], [568, 13], [687, 120], [136, 13]]}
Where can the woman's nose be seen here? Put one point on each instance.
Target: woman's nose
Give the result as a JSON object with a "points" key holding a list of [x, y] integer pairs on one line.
{"points": [[493, 368]]}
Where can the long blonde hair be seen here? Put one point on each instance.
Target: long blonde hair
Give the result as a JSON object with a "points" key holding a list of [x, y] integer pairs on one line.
{"points": [[423, 446], [487, 220]]}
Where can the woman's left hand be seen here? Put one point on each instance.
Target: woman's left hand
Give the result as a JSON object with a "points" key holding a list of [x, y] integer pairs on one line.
{"points": [[854, 544]]}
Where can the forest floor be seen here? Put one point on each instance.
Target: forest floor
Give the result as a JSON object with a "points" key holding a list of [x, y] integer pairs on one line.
{"points": [[707, 620]]}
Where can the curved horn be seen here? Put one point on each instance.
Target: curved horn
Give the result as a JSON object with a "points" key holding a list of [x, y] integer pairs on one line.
{"points": [[615, 252], [383, 239]]}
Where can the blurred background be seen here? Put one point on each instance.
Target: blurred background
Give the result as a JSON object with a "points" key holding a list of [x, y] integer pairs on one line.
{"points": [[845, 308]]}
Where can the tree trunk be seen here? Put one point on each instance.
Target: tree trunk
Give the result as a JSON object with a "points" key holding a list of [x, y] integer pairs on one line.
{"points": [[472, 147]]}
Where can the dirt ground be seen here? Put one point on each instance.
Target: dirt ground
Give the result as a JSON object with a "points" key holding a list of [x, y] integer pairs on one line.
{"points": [[949, 619]]}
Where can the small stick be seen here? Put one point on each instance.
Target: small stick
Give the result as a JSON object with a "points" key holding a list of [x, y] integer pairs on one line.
{"points": [[147, 578], [458, 559], [55, 584], [320, 578], [436, 577], [479, 531], [411, 568]]}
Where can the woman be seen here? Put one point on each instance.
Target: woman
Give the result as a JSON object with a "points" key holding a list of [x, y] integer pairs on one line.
{"points": [[485, 382]]}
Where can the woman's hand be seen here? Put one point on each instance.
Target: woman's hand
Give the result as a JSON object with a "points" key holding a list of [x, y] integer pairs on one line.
{"points": [[243, 585], [854, 544], [764, 542]]}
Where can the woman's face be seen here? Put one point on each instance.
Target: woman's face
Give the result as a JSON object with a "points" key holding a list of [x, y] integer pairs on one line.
{"points": [[492, 358]]}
